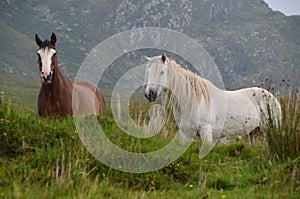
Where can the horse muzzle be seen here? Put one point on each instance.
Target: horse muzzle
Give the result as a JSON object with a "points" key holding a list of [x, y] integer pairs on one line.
{"points": [[151, 95], [47, 79]]}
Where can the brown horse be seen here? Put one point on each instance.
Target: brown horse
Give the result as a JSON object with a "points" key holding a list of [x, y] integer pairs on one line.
{"points": [[58, 95]]}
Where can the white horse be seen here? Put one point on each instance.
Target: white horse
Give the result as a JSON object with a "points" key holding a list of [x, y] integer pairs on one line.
{"points": [[200, 107]]}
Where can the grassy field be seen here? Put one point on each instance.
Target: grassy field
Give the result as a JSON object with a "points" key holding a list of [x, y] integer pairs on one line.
{"points": [[45, 158]]}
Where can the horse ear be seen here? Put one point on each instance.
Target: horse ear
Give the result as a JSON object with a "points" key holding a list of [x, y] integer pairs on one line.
{"points": [[164, 57], [53, 39], [38, 41]]}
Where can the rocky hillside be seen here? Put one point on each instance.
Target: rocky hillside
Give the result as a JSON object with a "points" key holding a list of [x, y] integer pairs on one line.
{"points": [[247, 40]]}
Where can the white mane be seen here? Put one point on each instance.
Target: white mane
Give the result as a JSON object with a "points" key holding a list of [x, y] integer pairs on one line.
{"points": [[190, 88]]}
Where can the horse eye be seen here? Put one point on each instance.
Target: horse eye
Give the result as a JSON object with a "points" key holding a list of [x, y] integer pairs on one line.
{"points": [[162, 72]]}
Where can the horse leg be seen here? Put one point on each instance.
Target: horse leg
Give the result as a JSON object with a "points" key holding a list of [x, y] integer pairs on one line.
{"points": [[251, 135], [164, 103], [207, 140], [42, 103], [42, 112], [185, 130], [177, 115], [185, 134], [251, 138]]}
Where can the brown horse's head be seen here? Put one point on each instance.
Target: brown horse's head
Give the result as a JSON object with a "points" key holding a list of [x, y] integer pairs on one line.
{"points": [[47, 58]]}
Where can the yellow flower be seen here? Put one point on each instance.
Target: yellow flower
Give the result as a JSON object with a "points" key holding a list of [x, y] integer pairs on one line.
{"points": [[223, 196], [191, 185]]}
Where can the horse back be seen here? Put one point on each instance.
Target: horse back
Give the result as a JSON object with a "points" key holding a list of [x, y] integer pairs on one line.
{"points": [[87, 97]]}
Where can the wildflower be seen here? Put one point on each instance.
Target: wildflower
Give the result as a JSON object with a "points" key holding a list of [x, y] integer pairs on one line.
{"points": [[191, 186], [223, 196]]}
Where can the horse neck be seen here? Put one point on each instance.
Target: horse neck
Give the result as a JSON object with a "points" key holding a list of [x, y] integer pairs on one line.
{"points": [[189, 87], [58, 85]]}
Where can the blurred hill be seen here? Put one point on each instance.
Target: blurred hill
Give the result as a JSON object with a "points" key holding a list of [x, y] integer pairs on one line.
{"points": [[247, 40]]}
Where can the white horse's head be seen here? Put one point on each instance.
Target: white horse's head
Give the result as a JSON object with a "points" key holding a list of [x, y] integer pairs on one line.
{"points": [[156, 76]]}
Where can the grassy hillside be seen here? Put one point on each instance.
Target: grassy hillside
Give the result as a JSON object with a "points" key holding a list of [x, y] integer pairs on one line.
{"points": [[45, 158], [20, 91], [17, 53]]}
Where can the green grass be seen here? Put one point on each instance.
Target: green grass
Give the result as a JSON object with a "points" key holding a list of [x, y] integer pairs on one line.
{"points": [[45, 158], [20, 91]]}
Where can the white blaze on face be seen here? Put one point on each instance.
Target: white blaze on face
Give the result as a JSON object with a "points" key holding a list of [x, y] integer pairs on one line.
{"points": [[155, 77], [149, 78], [46, 55]]}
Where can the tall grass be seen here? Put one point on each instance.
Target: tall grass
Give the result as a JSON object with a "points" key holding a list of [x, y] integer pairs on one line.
{"points": [[284, 142]]}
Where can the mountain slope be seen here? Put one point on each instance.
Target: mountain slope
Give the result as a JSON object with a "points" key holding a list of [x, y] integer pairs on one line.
{"points": [[247, 40]]}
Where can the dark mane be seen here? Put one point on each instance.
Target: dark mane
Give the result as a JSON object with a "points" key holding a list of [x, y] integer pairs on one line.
{"points": [[46, 43]]}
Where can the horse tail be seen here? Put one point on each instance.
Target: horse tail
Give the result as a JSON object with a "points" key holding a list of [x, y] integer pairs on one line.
{"points": [[270, 108], [102, 105], [275, 110]]}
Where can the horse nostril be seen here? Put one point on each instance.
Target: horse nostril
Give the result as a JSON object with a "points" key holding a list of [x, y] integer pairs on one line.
{"points": [[152, 95], [151, 92], [49, 77]]}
